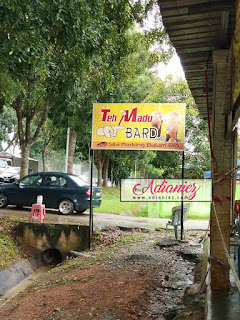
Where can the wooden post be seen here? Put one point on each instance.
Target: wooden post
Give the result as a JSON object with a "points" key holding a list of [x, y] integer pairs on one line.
{"points": [[234, 176], [222, 151]]}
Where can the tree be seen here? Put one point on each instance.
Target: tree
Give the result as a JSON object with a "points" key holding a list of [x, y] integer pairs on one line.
{"points": [[196, 137], [121, 164], [131, 82], [8, 129], [58, 56], [46, 45]]}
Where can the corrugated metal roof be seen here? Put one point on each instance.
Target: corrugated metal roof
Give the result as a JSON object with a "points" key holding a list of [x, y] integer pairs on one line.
{"points": [[196, 28]]}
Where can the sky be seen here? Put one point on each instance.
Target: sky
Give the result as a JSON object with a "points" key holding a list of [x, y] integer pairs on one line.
{"points": [[173, 67]]}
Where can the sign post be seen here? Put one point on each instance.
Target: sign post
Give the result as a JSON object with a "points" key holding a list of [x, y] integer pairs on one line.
{"points": [[182, 230], [138, 126], [91, 203]]}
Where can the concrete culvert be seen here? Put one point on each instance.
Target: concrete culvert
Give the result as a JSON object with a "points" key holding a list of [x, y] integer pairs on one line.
{"points": [[52, 256]]}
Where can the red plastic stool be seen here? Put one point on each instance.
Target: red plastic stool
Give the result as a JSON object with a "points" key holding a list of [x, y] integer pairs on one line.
{"points": [[237, 205], [38, 211]]}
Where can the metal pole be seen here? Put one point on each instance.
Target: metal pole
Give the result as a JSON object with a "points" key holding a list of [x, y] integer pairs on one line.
{"points": [[182, 227], [91, 194], [67, 149], [239, 262], [89, 161]]}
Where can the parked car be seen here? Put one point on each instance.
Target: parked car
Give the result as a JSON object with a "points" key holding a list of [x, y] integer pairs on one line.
{"points": [[10, 174], [62, 191]]}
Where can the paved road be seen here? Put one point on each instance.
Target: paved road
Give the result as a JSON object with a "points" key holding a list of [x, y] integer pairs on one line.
{"points": [[106, 220]]}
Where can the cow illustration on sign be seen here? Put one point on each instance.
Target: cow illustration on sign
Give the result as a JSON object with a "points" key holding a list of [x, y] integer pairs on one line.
{"points": [[172, 121], [157, 119]]}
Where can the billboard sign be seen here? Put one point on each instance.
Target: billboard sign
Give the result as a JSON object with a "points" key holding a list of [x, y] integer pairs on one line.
{"points": [[138, 126]]}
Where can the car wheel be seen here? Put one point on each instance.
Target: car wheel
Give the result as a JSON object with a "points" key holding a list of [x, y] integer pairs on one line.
{"points": [[3, 200], [66, 207], [81, 211]]}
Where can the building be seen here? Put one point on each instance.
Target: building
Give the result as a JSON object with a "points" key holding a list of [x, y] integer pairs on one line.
{"points": [[206, 35]]}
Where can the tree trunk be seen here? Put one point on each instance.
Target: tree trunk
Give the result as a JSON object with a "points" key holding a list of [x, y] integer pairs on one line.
{"points": [[99, 183], [99, 155], [44, 158], [112, 180], [26, 137], [47, 133], [105, 171], [71, 150], [25, 161]]}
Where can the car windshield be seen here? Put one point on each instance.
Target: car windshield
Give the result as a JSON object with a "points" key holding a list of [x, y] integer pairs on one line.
{"points": [[79, 181], [2, 163], [12, 170]]}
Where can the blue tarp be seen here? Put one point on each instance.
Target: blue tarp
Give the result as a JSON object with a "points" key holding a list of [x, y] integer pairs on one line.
{"points": [[207, 174]]}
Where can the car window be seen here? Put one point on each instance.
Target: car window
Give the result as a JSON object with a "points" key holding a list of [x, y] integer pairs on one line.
{"points": [[62, 182], [31, 181], [2, 163], [54, 181], [80, 182]]}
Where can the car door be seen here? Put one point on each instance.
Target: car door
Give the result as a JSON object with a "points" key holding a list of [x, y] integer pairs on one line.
{"points": [[52, 189], [28, 189]]}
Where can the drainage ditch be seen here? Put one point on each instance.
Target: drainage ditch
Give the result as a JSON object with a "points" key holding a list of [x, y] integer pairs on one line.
{"points": [[19, 276], [49, 244]]}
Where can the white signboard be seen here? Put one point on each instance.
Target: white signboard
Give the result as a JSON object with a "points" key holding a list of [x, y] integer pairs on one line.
{"points": [[166, 190]]}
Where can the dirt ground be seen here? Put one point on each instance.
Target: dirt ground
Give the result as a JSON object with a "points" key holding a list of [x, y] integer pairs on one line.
{"points": [[128, 275]]}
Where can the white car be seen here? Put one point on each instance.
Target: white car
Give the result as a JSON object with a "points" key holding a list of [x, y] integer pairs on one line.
{"points": [[11, 174]]}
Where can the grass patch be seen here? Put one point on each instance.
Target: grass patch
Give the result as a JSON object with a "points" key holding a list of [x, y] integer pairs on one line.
{"points": [[81, 263], [166, 213], [106, 253], [111, 202], [132, 237], [9, 250]]}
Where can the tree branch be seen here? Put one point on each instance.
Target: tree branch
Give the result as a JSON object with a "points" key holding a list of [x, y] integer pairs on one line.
{"points": [[41, 123], [135, 16], [17, 105], [35, 110], [11, 142]]}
